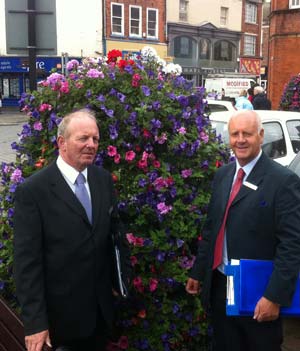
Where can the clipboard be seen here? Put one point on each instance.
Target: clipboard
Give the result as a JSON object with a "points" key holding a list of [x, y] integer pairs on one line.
{"points": [[246, 283]]}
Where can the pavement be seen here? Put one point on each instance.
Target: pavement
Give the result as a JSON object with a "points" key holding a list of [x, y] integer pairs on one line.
{"points": [[11, 121]]}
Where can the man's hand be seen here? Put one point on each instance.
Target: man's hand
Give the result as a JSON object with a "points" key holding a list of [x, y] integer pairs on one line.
{"points": [[35, 342], [193, 286], [266, 310]]}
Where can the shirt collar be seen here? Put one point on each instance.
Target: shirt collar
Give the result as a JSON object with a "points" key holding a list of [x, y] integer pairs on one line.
{"points": [[68, 171], [249, 166]]}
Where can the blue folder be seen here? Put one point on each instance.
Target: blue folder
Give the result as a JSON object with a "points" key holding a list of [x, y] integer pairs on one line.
{"points": [[249, 281]]}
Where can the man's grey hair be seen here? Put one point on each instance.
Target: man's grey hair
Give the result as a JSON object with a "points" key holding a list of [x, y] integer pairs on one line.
{"points": [[258, 90], [248, 112], [62, 129]]}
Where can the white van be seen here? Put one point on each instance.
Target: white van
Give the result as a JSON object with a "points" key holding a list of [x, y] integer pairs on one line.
{"points": [[232, 86]]}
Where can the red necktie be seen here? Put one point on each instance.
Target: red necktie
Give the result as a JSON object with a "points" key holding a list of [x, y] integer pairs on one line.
{"points": [[220, 238]]}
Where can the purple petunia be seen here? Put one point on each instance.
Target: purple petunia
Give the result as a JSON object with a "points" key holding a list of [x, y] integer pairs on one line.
{"points": [[146, 91]]}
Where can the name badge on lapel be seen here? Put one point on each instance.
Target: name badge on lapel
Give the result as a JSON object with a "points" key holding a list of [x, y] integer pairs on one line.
{"points": [[250, 185]]}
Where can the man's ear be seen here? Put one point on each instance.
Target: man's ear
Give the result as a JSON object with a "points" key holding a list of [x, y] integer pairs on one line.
{"points": [[61, 142], [262, 134]]}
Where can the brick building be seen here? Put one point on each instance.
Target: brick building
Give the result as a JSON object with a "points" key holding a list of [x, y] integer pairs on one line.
{"points": [[284, 43], [129, 25], [265, 43], [250, 48]]}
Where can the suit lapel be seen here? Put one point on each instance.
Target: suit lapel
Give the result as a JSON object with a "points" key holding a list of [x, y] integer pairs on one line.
{"points": [[226, 185], [62, 190], [255, 177]]}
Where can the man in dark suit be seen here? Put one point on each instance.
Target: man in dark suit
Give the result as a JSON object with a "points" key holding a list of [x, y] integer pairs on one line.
{"points": [[263, 222], [63, 248]]}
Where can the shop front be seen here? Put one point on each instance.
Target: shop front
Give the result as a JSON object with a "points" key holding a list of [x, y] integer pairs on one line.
{"points": [[14, 75]]}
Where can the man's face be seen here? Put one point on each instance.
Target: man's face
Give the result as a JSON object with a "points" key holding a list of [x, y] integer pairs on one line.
{"points": [[80, 145], [244, 137]]}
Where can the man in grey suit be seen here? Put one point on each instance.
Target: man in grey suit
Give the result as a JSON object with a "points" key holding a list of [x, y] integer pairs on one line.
{"points": [[63, 247], [262, 221]]}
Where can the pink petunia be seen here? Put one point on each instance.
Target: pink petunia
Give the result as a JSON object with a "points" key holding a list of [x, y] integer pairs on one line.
{"points": [[181, 130], [65, 87], [156, 164], [123, 342], [138, 284], [130, 156], [153, 284], [117, 158], [133, 260], [142, 164], [186, 173], [111, 151], [163, 208], [94, 73], [38, 126], [45, 107]]}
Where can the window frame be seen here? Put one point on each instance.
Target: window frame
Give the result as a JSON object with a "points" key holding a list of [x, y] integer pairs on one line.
{"points": [[251, 13], [156, 25], [253, 51], [183, 10], [224, 10], [122, 19], [294, 6], [220, 46], [139, 35]]}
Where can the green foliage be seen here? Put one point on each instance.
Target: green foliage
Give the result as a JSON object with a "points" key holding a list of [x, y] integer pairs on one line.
{"points": [[162, 153]]}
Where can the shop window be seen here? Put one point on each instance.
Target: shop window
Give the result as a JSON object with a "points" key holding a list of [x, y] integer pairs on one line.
{"points": [[117, 19], [251, 13], [152, 23], [223, 51], [135, 21], [249, 45]]}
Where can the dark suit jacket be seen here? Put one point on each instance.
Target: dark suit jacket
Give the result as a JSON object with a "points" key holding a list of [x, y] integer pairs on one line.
{"points": [[261, 224], [62, 263]]}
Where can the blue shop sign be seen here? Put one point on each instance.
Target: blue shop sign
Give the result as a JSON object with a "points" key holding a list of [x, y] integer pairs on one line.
{"points": [[20, 64]]}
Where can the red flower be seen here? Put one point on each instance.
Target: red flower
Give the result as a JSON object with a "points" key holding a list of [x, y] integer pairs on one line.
{"points": [[114, 177], [219, 164], [113, 55], [142, 314], [122, 64]]}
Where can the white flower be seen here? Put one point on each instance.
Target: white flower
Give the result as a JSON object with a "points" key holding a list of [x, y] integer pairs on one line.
{"points": [[149, 54], [172, 68]]}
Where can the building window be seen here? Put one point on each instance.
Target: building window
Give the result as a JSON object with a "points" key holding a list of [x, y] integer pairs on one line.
{"points": [[294, 4], [223, 51], [204, 49], [183, 10], [249, 45], [224, 16], [251, 13], [152, 23], [184, 47], [135, 13], [117, 19]]}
